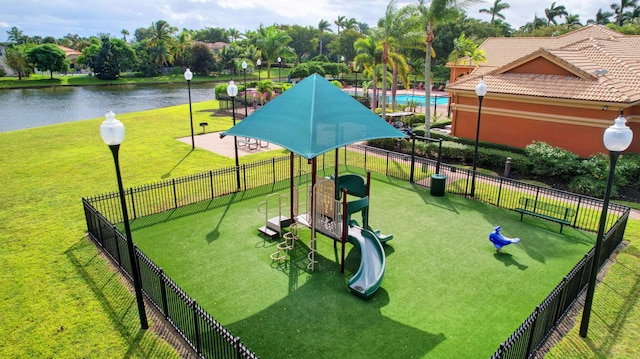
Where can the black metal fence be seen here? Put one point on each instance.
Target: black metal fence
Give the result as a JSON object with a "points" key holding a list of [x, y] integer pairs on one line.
{"points": [[211, 340]]}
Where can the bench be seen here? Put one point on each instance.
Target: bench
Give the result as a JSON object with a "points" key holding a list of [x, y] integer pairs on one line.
{"points": [[252, 145], [545, 210]]}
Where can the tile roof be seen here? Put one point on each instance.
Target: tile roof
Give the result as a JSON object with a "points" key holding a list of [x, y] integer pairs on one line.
{"points": [[576, 56]]}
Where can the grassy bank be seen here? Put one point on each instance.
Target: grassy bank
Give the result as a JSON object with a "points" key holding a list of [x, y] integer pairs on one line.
{"points": [[60, 299]]}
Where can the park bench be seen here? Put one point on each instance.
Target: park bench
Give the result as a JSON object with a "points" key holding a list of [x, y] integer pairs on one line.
{"points": [[550, 212], [252, 145]]}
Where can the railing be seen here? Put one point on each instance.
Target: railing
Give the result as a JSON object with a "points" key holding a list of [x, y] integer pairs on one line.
{"points": [[205, 335], [210, 339]]}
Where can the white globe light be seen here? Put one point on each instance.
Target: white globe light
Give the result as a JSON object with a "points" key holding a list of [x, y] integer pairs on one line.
{"points": [[481, 88], [232, 89], [244, 65], [618, 136], [112, 130], [188, 75], [259, 62]]}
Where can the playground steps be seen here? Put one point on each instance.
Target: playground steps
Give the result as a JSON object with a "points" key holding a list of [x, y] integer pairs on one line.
{"points": [[273, 227]]}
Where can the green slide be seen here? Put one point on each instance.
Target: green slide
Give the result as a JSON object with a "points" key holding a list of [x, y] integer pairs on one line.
{"points": [[369, 276]]}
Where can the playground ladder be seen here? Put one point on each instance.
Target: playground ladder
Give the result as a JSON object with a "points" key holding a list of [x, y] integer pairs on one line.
{"points": [[274, 225]]}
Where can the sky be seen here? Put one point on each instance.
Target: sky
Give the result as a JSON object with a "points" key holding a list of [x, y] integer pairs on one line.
{"points": [[87, 18]]}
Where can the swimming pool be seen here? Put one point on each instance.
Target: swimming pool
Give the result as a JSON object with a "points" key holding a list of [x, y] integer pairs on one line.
{"points": [[404, 99]]}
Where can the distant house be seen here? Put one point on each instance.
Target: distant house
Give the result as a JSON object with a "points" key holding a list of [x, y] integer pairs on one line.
{"points": [[561, 90], [72, 55], [215, 47]]}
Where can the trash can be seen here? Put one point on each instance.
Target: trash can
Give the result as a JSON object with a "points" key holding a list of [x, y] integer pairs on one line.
{"points": [[437, 185]]}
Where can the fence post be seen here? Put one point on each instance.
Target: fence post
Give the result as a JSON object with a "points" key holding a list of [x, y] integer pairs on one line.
{"points": [[500, 191], [211, 184], [244, 175], [273, 168], [575, 217], [116, 239], [386, 169], [365, 158], [175, 193], [163, 293], [439, 157], [413, 157], [536, 313], [236, 346], [196, 327], [133, 204]]}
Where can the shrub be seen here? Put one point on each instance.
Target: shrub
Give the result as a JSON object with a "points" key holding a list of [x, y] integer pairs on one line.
{"points": [[552, 162], [587, 186]]}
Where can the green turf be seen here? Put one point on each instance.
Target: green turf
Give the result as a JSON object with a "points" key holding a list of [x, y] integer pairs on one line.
{"points": [[446, 294]]}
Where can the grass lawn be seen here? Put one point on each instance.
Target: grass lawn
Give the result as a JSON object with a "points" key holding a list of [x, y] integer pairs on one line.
{"points": [[446, 293], [61, 299]]}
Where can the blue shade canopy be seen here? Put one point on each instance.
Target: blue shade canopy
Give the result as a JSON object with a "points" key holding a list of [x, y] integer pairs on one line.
{"points": [[314, 117]]}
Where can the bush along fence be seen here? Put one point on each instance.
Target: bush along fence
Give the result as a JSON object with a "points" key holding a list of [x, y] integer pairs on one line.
{"points": [[211, 340]]}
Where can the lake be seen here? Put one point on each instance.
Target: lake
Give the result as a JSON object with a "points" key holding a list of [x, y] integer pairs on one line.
{"points": [[35, 107]]}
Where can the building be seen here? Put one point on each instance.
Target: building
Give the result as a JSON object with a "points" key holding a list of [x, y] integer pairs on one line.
{"points": [[562, 90]]}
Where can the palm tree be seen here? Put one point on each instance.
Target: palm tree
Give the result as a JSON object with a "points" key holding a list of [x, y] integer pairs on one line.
{"points": [[392, 26], [618, 10], [182, 43], [573, 20], [340, 22], [430, 15], [234, 34], [323, 26], [554, 11], [124, 33], [272, 43], [160, 42], [602, 18], [368, 56], [495, 10]]}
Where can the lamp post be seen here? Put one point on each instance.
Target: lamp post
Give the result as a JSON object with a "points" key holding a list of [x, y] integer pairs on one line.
{"points": [[481, 91], [279, 67], [112, 133], [616, 138], [259, 63], [232, 91], [341, 72], [355, 69], [188, 75], [244, 71]]}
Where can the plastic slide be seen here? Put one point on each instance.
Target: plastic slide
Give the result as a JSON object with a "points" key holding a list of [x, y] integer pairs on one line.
{"points": [[369, 276]]}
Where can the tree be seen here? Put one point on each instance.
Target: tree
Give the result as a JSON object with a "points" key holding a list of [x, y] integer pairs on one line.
{"points": [[17, 60], [124, 33], [618, 10], [16, 36], [495, 10], [234, 34], [340, 22], [273, 43], [431, 14], [303, 40], [554, 11], [160, 43], [109, 58], [602, 18], [49, 57], [323, 26], [368, 56], [200, 59]]}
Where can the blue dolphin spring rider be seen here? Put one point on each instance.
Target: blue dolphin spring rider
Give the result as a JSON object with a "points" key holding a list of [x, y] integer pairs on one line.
{"points": [[499, 240]]}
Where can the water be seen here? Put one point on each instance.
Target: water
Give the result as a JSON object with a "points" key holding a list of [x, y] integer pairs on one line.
{"points": [[404, 99], [28, 108]]}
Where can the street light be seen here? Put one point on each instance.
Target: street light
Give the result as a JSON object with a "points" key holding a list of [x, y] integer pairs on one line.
{"points": [[481, 90], [112, 133], [259, 63], [341, 70], [188, 75], [616, 138], [232, 91], [244, 70], [279, 67]]}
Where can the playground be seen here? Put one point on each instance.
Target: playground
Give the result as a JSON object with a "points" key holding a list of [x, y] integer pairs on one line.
{"points": [[446, 292]]}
